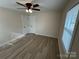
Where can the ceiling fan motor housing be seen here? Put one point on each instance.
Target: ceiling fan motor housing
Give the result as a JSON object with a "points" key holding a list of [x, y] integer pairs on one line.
{"points": [[28, 5]]}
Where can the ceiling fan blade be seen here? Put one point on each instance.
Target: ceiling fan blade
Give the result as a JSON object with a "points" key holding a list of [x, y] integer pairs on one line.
{"points": [[36, 9], [36, 5], [20, 4]]}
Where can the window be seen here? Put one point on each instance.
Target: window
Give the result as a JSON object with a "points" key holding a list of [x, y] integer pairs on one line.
{"points": [[69, 26]]}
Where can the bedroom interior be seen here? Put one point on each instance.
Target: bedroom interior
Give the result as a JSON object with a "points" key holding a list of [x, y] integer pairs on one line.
{"points": [[39, 29]]}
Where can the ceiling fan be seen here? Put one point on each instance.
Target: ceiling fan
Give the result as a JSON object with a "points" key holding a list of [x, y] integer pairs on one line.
{"points": [[29, 6]]}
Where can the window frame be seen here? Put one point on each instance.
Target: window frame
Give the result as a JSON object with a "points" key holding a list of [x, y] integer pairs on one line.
{"points": [[72, 40]]}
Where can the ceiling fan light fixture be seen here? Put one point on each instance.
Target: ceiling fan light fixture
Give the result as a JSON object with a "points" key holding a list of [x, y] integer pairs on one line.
{"points": [[30, 10], [27, 10]]}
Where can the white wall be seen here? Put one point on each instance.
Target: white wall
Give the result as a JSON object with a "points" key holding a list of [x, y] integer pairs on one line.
{"points": [[10, 21], [46, 23]]}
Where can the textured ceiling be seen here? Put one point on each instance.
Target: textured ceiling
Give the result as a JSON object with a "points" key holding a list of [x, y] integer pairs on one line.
{"points": [[44, 4]]}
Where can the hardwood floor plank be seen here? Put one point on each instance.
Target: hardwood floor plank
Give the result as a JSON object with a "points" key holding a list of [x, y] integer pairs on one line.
{"points": [[31, 47]]}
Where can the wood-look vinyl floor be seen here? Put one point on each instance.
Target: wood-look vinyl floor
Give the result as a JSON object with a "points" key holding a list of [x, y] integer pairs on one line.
{"points": [[31, 47]]}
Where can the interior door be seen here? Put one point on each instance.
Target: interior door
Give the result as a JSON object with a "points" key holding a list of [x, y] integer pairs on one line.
{"points": [[25, 24]]}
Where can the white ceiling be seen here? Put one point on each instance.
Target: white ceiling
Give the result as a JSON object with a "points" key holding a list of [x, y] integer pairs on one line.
{"points": [[44, 4]]}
